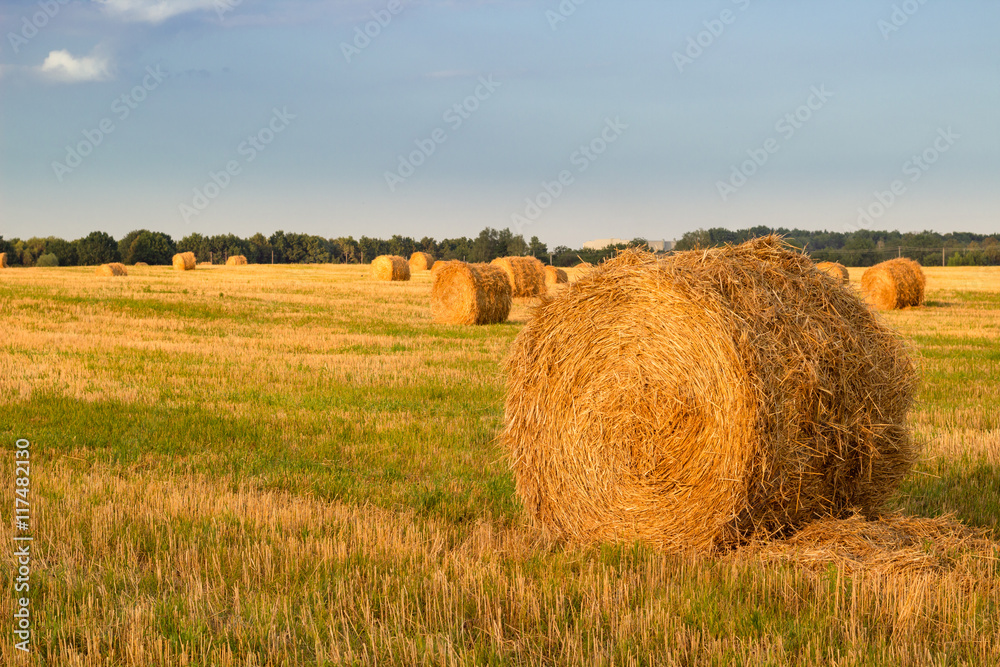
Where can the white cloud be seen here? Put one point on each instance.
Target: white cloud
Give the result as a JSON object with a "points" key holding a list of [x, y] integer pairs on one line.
{"points": [[63, 66], [155, 11]]}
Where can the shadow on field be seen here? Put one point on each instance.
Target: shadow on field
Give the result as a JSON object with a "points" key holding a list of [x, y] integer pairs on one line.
{"points": [[969, 490]]}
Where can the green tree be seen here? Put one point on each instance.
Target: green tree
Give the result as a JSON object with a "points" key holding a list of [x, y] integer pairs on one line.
{"points": [[153, 248], [96, 248], [48, 259], [64, 250]]}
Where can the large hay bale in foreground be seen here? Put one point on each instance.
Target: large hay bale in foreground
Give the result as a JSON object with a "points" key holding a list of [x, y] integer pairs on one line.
{"points": [[3, 260], [704, 399], [835, 269], [897, 283], [421, 261], [390, 267], [526, 275], [555, 276], [185, 261], [236, 260], [113, 269], [470, 294]]}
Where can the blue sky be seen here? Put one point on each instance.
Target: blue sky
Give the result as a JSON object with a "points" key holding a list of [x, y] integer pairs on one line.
{"points": [[658, 117]]}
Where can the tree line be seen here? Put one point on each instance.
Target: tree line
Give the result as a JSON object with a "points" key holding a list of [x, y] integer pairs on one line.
{"points": [[866, 247], [858, 248], [157, 248]]}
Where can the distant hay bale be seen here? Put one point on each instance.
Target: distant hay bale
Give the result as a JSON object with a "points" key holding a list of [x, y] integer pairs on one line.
{"points": [[835, 269], [236, 260], [470, 294], [555, 276], [3, 260], [113, 269], [204, 264], [185, 261], [584, 265], [421, 261], [897, 283], [705, 399], [526, 275], [141, 264], [390, 267]]}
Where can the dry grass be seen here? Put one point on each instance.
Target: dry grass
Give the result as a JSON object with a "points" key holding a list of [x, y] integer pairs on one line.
{"points": [[704, 399], [897, 283], [390, 268], [470, 294], [332, 494], [185, 261]]}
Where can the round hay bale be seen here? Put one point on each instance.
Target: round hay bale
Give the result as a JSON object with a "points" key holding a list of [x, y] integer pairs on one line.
{"points": [[113, 269], [526, 275], [236, 260], [707, 398], [421, 261], [897, 283], [3, 260], [835, 269], [140, 264], [584, 265], [390, 267], [185, 261], [555, 276], [470, 294]]}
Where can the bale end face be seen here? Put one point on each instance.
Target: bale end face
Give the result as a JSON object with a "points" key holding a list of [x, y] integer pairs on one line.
{"points": [[184, 261], [704, 399], [111, 270], [897, 283], [391, 268], [835, 269], [555, 276], [470, 294], [3, 260], [421, 261]]}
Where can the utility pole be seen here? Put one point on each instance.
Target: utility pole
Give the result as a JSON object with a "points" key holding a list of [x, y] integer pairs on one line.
{"points": [[942, 256], [900, 249], [272, 255]]}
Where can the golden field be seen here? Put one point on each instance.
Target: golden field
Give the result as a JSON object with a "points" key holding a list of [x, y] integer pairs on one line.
{"points": [[294, 465]]}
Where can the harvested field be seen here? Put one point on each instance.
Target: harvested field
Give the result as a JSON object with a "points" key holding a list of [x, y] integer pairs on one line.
{"points": [[334, 492]]}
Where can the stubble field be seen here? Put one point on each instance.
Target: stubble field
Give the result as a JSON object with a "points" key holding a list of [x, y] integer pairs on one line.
{"points": [[293, 465]]}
